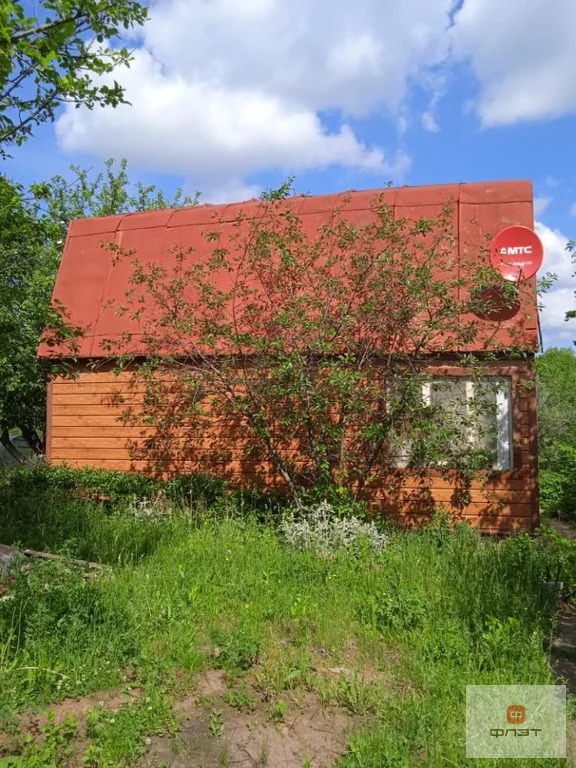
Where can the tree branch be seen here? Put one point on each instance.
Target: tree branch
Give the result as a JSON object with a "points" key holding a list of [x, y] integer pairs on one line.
{"points": [[21, 34]]}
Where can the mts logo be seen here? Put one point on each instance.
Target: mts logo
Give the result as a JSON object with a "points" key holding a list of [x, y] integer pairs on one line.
{"points": [[516, 250]]}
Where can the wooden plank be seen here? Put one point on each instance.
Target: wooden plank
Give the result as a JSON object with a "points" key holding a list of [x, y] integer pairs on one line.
{"points": [[106, 385], [86, 431], [84, 443], [50, 556], [105, 452], [85, 420], [480, 509], [477, 509], [219, 455], [79, 428], [108, 417], [87, 398], [92, 409], [120, 431], [477, 495], [80, 401], [524, 431], [239, 446], [106, 379], [245, 479], [64, 453], [489, 524], [95, 388], [104, 374], [119, 465], [513, 483]]}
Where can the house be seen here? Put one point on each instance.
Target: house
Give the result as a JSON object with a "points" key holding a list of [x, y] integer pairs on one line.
{"points": [[84, 426]]}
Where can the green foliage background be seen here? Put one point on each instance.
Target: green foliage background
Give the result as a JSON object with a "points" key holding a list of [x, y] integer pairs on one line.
{"points": [[556, 371], [33, 229], [59, 51]]}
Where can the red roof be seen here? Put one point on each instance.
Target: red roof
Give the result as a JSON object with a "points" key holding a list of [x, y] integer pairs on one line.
{"points": [[89, 285]]}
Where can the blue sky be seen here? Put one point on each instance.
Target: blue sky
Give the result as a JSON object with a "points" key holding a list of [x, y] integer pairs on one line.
{"points": [[232, 96]]}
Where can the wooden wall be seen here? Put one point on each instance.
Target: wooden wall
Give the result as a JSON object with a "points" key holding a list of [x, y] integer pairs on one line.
{"points": [[84, 431]]}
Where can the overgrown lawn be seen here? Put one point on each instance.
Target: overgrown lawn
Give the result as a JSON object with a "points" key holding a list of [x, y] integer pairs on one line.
{"points": [[405, 630]]}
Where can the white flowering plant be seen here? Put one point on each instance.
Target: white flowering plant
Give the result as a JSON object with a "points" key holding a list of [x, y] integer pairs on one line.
{"points": [[147, 509], [322, 530]]}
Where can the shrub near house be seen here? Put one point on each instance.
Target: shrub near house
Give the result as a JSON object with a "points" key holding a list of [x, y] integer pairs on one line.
{"points": [[556, 370]]}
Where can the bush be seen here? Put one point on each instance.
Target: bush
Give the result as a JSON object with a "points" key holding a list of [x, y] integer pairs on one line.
{"points": [[548, 555], [111, 486], [552, 491], [558, 483], [101, 483]]}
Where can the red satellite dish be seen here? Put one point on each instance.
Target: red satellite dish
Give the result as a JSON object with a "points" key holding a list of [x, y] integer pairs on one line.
{"points": [[517, 253]]}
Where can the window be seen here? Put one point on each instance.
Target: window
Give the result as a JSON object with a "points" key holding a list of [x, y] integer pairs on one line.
{"points": [[470, 414]]}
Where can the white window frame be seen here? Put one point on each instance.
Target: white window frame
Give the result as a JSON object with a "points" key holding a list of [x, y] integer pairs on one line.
{"points": [[504, 458]]}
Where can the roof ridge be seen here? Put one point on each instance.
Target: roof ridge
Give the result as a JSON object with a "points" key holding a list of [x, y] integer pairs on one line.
{"points": [[213, 207]]}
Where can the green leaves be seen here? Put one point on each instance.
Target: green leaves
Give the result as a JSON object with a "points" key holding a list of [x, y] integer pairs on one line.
{"points": [[313, 349], [556, 391], [33, 228], [50, 59], [556, 370]]}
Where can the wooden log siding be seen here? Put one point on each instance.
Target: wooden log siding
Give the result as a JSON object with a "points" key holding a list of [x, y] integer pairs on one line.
{"points": [[85, 431]]}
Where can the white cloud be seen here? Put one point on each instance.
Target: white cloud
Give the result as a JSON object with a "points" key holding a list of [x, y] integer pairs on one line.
{"points": [[523, 55], [326, 54], [541, 204], [223, 89], [560, 298], [429, 122], [211, 131], [232, 191]]}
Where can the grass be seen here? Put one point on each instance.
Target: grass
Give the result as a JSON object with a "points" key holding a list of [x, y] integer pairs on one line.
{"points": [[408, 629], [64, 524]]}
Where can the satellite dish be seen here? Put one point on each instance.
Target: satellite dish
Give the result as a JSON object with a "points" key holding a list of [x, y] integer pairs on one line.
{"points": [[517, 253]]}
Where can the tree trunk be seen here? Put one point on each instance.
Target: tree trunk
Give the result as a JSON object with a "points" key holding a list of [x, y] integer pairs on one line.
{"points": [[7, 443], [33, 439]]}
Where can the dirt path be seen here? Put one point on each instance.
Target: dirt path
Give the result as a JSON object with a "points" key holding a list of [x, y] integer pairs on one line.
{"points": [[564, 644], [567, 530], [215, 734]]}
